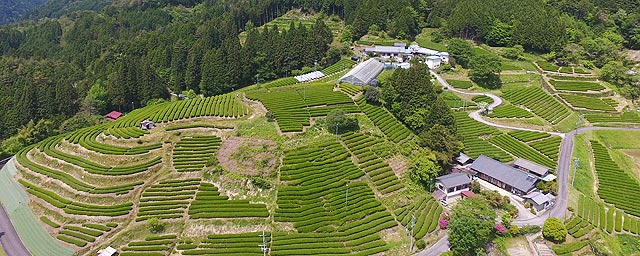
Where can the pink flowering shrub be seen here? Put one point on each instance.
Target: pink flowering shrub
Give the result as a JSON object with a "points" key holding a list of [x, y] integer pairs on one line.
{"points": [[443, 223], [501, 229]]}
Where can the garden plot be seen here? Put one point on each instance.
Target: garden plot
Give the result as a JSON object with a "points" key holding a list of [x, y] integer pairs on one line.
{"points": [[314, 198], [383, 119], [521, 150], [69, 179], [195, 153], [509, 111], [378, 171], [474, 136], [540, 103], [581, 86], [625, 117], [426, 211], [82, 235], [210, 204], [615, 185], [155, 245], [226, 244], [589, 102], [48, 147], [303, 102], [167, 200]]}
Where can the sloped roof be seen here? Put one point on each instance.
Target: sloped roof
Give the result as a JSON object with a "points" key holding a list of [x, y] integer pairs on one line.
{"points": [[363, 73], [385, 49], [454, 179], [109, 251], [531, 166], [113, 115], [540, 198], [504, 173], [462, 158]]}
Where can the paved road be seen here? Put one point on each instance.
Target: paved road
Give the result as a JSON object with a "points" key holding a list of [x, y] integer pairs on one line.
{"points": [[9, 238], [564, 164], [497, 101], [436, 249]]}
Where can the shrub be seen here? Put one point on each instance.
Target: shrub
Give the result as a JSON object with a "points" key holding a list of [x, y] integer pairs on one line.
{"points": [[527, 205], [514, 230], [421, 244], [553, 230], [154, 225], [529, 229]]}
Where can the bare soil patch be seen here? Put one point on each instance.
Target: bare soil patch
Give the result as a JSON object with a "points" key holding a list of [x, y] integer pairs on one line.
{"points": [[248, 156], [398, 165], [634, 156], [519, 247]]}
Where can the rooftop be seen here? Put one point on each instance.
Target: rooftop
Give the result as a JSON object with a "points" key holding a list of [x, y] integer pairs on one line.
{"points": [[454, 179], [540, 198], [462, 158], [363, 73], [531, 166], [385, 49], [504, 173], [113, 115]]}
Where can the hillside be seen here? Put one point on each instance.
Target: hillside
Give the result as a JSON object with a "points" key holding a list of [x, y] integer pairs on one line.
{"points": [[12, 10]]}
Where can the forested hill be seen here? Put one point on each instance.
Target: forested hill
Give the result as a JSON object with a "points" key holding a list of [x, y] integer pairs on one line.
{"points": [[11, 10], [57, 8], [132, 53]]}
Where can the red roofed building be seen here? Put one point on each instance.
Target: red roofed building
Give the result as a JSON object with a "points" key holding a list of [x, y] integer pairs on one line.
{"points": [[113, 115]]}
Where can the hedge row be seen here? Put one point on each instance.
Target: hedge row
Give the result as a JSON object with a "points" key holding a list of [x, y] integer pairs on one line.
{"points": [[192, 154], [471, 131], [49, 222], [92, 167], [615, 185], [383, 119], [77, 208], [378, 171], [196, 125], [521, 150], [167, 199], [86, 138], [541, 103], [69, 179], [72, 241]]}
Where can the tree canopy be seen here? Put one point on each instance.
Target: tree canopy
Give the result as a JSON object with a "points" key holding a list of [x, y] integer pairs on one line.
{"points": [[471, 226]]}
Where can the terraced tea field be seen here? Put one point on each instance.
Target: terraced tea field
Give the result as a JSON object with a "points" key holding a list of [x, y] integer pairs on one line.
{"points": [[541, 103]]}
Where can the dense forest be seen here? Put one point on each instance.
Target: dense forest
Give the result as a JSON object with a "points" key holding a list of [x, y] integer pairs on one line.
{"points": [[93, 56], [12, 10]]}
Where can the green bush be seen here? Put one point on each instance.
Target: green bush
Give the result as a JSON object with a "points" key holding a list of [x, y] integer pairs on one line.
{"points": [[553, 230], [72, 241], [529, 229], [421, 244], [49, 222]]}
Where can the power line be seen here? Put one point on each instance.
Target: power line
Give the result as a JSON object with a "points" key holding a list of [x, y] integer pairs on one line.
{"points": [[263, 246]]}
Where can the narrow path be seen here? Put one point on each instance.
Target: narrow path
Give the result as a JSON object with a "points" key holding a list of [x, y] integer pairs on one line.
{"points": [[497, 101], [564, 163]]}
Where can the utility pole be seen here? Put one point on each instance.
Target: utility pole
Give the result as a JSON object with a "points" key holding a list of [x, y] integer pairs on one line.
{"points": [[346, 198], [337, 135], [578, 122], [575, 166], [315, 65], [263, 246], [413, 224]]}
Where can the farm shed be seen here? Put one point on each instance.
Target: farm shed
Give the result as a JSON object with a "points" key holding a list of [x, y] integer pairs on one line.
{"points": [[364, 73], [453, 184], [433, 62], [540, 201], [504, 176], [113, 115], [531, 167], [109, 251]]}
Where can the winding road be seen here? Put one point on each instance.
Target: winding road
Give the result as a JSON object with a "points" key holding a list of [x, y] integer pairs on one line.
{"points": [[564, 164], [9, 238]]}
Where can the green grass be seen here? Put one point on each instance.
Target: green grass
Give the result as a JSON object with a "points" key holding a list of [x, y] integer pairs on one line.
{"points": [[576, 86], [510, 66], [424, 40], [460, 84], [590, 103], [546, 66], [572, 78], [629, 244], [510, 111], [567, 70]]}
